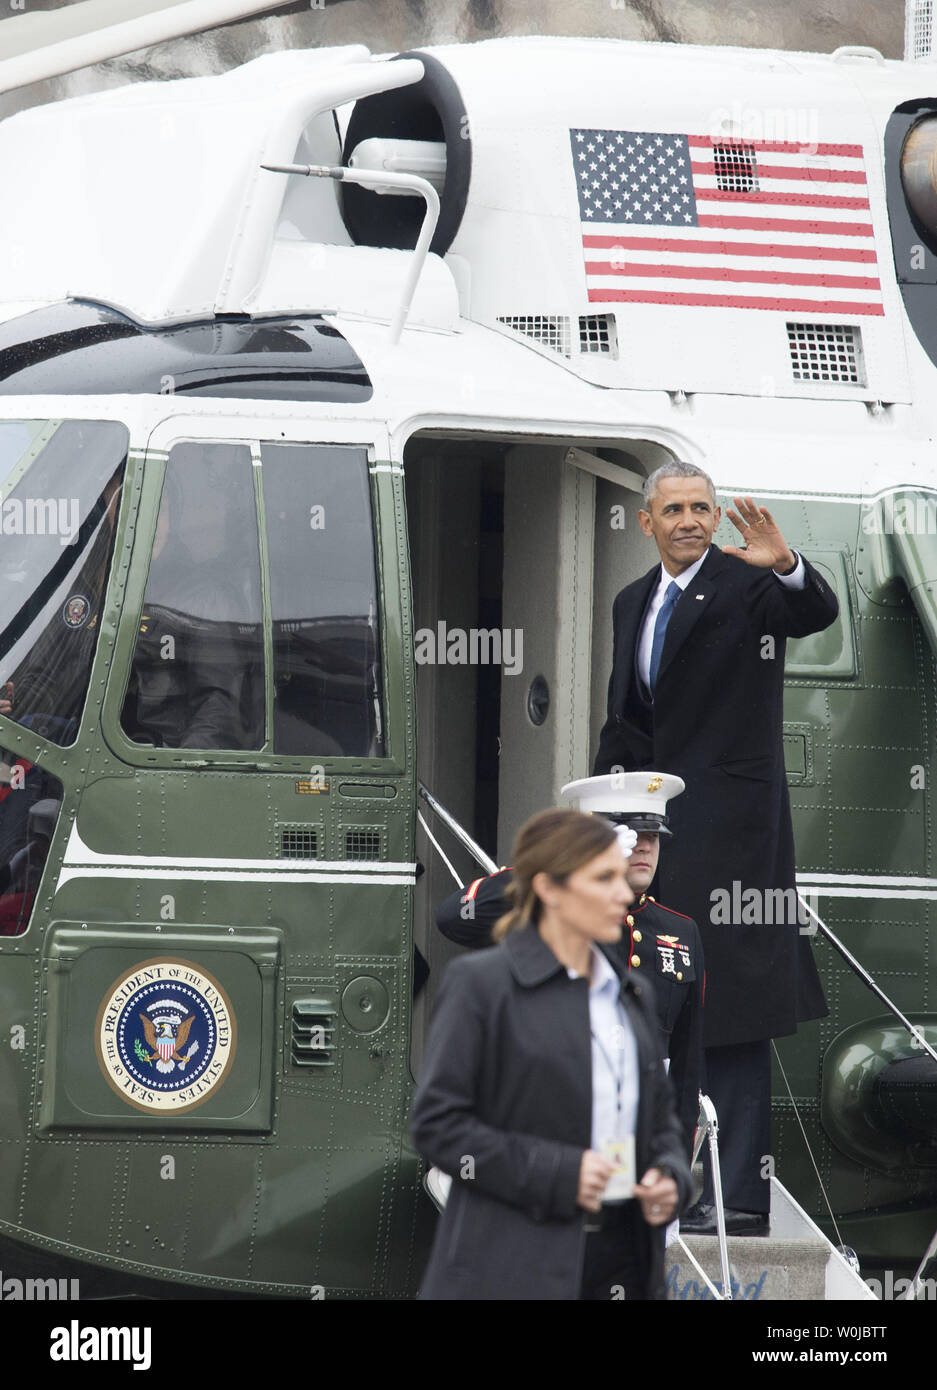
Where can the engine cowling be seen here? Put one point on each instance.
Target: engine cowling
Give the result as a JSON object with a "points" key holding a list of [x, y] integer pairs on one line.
{"points": [[429, 113]]}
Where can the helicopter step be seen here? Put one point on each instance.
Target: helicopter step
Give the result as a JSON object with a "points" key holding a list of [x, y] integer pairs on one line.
{"points": [[794, 1262]]}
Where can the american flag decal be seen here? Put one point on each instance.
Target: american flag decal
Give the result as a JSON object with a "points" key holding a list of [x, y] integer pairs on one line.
{"points": [[734, 224]]}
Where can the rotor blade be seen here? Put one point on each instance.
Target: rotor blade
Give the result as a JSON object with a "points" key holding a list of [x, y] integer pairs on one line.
{"points": [[47, 43]]}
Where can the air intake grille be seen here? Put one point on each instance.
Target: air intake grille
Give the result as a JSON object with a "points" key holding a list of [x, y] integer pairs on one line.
{"points": [[312, 1043], [550, 330], [298, 842], [597, 334], [735, 167], [362, 844], [826, 352], [919, 29]]}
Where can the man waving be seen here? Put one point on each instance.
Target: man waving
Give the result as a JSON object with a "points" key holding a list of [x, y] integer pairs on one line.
{"points": [[697, 690]]}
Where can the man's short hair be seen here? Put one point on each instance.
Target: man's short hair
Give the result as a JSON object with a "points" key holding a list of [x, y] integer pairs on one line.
{"points": [[675, 469]]}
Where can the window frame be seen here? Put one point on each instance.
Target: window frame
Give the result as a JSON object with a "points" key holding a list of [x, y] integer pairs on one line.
{"points": [[16, 736], [253, 433]]}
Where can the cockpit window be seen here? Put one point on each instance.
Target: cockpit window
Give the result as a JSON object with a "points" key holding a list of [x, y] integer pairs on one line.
{"points": [[323, 595], [197, 678], [60, 484], [30, 801]]}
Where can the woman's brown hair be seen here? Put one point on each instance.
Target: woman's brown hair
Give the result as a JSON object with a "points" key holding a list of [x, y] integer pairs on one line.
{"points": [[555, 843]]}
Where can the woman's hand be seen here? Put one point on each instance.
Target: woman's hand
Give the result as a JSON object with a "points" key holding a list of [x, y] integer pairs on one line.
{"points": [[594, 1173], [658, 1197]]}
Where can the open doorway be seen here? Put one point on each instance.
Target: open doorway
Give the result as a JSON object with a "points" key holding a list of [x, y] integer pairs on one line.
{"points": [[517, 548]]}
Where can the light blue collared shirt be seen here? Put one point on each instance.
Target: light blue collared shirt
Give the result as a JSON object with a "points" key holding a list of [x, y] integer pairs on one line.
{"points": [[614, 1057]]}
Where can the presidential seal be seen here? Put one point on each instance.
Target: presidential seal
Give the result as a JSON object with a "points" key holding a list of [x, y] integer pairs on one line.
{"points": [[165, 1036], [76, 610]]}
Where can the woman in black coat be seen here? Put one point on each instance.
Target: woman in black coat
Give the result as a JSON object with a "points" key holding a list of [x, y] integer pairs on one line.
{"points": [[515, 1097]]}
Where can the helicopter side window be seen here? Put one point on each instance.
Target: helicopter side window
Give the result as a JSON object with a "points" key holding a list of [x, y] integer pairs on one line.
{"points": [[30, 802], [197, 678], [60, 483], [323, 593]]}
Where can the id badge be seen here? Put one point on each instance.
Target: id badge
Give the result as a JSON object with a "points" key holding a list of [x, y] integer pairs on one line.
{"points": [[621, 1154]]}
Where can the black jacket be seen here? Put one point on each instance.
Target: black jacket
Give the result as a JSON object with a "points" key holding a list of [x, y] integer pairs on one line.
{"points": [[658, 943], [504, 1105], [716, 721]]}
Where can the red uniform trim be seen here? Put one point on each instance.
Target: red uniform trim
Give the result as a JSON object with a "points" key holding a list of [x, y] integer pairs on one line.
{"points": [[473, 888], [674, 912]]}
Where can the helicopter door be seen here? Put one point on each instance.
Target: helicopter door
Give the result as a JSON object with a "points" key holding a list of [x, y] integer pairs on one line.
{"points": [[517, 551]]}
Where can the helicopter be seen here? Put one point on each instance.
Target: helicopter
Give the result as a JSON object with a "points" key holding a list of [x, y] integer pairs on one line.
{"points": [[328, 389]]}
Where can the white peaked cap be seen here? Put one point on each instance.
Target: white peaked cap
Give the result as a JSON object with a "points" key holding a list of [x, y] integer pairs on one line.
{"points": [[625, 793]]}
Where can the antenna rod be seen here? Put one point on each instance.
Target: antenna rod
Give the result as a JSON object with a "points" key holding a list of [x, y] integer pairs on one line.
{"points": [[382, 179]]}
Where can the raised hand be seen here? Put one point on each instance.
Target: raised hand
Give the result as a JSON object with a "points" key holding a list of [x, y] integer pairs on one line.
{"points": [[765, 547]]}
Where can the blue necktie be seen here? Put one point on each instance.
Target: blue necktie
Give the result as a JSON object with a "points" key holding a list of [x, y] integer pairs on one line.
{"points": [[660, 628]]}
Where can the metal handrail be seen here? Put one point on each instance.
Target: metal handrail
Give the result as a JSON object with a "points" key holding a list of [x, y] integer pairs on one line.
{"points": [[717, 1296], [708, 1124], [916, 1034], [464, 838], [914, 1288], [457, 878], [867, 980]]}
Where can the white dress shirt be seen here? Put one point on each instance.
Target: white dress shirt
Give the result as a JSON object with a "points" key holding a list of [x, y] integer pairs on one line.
{"points": [[614, 1057], [797, 579]]}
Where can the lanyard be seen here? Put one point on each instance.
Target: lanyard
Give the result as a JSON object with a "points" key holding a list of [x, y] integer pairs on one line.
{"points": [[617, 1073]]}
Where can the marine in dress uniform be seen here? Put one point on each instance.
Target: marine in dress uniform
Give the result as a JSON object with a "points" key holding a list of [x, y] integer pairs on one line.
{"points": [[657, 943], [666, 946]]}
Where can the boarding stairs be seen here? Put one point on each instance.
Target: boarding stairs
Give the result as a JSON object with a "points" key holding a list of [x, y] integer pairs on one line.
{"points": [[794, 1261]]}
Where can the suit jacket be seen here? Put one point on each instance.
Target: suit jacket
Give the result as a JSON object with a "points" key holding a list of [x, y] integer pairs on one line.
{"points": [[676, 973], [716, 721], [504, 1105]]}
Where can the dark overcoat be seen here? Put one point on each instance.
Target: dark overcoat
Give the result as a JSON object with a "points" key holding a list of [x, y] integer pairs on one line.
{"points": [[716, 721], [504, 1105], [661, 945]]}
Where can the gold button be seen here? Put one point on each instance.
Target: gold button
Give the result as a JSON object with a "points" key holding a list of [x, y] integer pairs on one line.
{"points": [[650, 899], [630, 920], [679, 974], [637, 936], [635, 962]]}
